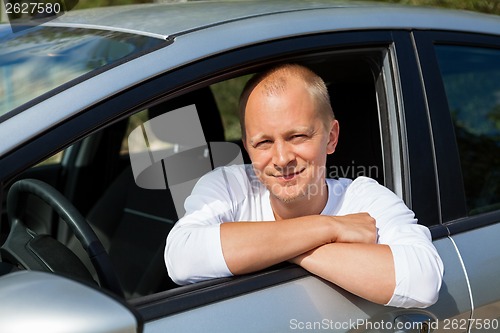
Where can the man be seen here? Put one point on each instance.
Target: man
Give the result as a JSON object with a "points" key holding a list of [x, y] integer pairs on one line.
{"points": [[356, 234]]}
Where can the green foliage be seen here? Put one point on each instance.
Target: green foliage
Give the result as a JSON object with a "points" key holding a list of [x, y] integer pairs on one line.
{"points": [[103, 3], [485, 6]]}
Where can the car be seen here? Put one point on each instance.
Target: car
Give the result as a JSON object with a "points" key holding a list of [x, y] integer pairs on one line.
{"points": [[91, 185]]}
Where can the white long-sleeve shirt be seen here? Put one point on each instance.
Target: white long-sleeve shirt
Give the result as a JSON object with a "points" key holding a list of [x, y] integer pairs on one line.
{"points": [[229, 194]]}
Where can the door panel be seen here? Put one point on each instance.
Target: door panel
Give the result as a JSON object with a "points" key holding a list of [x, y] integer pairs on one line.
{"points": [[311, 303], [480, 251], [454, 303]]}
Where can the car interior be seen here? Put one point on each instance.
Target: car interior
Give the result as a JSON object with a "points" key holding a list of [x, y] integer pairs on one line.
{"points": [[132, 223]]}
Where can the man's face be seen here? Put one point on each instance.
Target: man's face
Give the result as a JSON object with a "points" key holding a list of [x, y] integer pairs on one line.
{"points": [[288, 141]]}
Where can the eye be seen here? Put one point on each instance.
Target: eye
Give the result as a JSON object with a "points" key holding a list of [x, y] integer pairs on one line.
{"points": [[298, 137], [262, 144]]}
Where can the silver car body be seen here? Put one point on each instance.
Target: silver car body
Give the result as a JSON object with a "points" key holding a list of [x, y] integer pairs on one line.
{"points": [[201, 30]]}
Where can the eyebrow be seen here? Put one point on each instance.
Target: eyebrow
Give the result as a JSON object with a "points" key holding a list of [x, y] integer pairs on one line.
{"points": [[256, 138], [300, 129]]}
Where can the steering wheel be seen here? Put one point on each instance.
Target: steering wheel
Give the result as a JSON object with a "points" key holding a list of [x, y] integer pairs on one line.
{"points": [[41, 252]]}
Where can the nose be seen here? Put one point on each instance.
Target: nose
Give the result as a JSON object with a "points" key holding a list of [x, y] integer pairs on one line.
{"points": [[283, 155]]}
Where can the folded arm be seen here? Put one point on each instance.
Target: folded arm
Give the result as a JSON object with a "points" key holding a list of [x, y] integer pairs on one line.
{"points": [[250, 246], [366, 270], [340, 249], [406, 273]]}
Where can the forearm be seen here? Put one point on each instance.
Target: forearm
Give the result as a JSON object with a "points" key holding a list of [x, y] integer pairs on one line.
{"points": [[198, 252], [366, 270], [251, 246]]}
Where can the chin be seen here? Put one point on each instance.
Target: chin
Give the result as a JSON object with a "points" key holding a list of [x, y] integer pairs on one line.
{"points": [[290, 197]]}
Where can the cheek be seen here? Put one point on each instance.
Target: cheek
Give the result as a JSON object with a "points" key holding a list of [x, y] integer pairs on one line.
{"points": [[259, 159], [310, 153], [315, 159]]}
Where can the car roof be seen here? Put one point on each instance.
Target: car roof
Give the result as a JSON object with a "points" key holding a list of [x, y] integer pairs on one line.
{"points": [[164, 20]]}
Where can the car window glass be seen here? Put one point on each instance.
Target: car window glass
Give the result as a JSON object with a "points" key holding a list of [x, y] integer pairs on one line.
{"points": [[43, 58], [133, 122], [54, 159], [471, 79], [226, 94]]}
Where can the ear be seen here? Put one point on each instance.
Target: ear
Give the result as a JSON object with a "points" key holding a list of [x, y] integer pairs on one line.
{"points": [[333, 137], [244, 141]]}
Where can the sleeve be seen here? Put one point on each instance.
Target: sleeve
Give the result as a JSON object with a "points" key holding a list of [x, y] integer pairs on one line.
{"points": [[418, 266], [193, 250]]}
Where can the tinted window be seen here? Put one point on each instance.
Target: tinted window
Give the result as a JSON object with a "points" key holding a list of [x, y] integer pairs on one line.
{"points": [[472, 82], [39, 59]]}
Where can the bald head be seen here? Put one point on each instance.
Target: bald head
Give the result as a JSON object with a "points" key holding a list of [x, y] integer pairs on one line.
{"points": [[276, 80]]}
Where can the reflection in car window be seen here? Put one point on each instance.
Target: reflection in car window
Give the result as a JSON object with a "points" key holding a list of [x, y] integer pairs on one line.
{"points": [[472, 82], [39, 59]]}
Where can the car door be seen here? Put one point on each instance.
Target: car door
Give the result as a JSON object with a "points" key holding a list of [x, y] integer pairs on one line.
{"points": [[288, 298], [462, 82]]}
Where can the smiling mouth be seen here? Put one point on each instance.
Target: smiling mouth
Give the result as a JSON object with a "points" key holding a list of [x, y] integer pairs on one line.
{"points": [[289, 176]]}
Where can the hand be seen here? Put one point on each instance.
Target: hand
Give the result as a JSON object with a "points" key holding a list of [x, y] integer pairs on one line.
{"points": [[354, 228], [351, 228]]}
